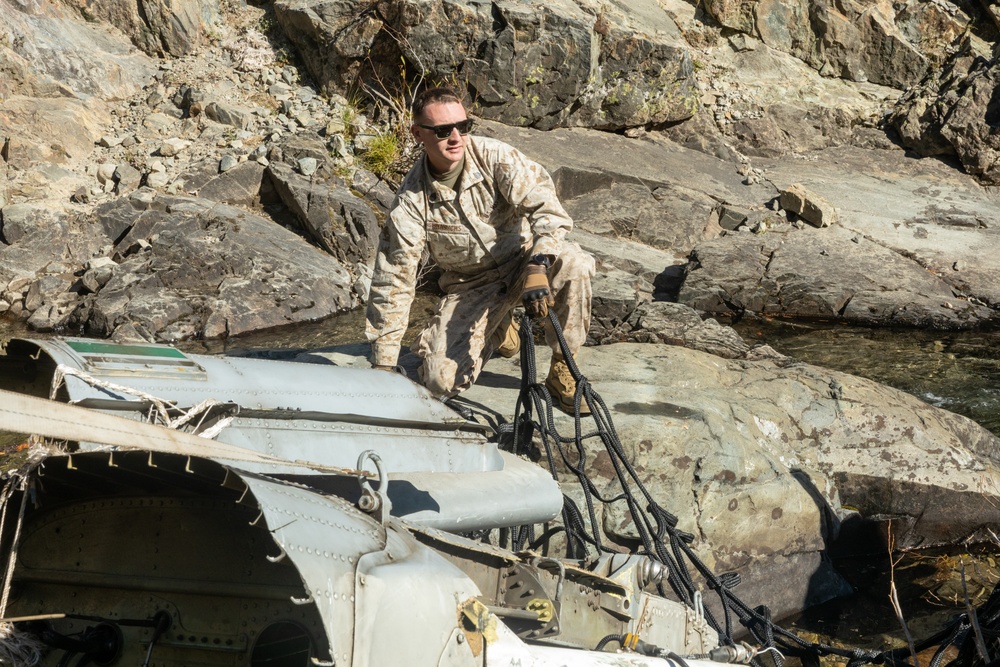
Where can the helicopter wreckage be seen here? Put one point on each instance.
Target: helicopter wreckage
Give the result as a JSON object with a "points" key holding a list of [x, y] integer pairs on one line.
{"points": [[198, 510]]}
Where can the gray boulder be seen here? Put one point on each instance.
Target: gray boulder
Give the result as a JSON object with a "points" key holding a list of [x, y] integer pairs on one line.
{"points": [[239, 186], [193, 268], [952, 113], [665, 218], [51, 52], [829, 274], [160, 27], [616, 295], [934, 218], [98, 273], [44, 240], [229, 114], [654, 266], [339, 222], [889, 44], [127, 179], [559, 64], [680, 187], [20, 221], [677, 324], [374, 190]]}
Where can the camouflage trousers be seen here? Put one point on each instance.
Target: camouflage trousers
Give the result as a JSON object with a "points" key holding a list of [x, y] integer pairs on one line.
{"points": [[455, 344]]}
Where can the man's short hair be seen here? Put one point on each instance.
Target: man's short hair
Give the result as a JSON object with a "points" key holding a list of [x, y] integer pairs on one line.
{"points": [[437, 95]]}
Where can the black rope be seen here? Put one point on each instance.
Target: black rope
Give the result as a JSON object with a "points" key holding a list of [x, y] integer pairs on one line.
{"points": [[657, 529]]}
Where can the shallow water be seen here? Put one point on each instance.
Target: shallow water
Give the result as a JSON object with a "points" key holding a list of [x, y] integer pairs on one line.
{"points": [[958, 371]]}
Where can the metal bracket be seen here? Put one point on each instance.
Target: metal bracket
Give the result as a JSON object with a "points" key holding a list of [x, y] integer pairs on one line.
{"points": [[531, 612], [374, 502]]}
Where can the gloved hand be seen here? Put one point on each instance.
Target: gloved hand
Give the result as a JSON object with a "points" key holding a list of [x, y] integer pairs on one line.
{"points": [[537, 295]]}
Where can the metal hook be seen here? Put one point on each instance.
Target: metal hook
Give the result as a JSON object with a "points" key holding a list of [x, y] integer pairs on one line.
{"points": [[537, 562], [371, 501], [371, 455], [279, 557]]}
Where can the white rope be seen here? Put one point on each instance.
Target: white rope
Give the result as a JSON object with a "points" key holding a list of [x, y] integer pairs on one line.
{"points": [[12, 555], [204, 406], [62, 371], [216, 429], [162, 407]]}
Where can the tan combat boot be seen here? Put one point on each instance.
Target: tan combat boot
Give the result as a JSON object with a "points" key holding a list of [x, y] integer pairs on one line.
{"points": [[562, 386], [506, 339]]}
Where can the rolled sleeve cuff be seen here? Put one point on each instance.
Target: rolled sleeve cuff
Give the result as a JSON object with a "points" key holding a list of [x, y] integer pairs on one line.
{"points": [[546, 246]]}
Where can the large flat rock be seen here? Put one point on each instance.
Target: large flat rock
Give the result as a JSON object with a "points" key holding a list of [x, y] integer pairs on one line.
{"points": [[921, 208]]}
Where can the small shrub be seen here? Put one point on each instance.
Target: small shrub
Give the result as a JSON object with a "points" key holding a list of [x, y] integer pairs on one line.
{"points": [[383, 152]]}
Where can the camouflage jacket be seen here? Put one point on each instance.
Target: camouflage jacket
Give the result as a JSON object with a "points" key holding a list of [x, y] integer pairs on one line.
{"points": [[506, 205]]}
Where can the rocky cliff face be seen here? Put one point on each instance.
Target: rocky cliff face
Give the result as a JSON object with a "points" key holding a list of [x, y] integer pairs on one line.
{"points": [[721, 112], [562, 63]]}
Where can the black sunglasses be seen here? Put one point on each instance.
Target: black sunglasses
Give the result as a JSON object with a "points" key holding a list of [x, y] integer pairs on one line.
{"points": [[444, 131]]}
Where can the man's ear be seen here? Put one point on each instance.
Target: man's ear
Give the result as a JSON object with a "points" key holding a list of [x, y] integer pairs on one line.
{"points": [[415, 131]]}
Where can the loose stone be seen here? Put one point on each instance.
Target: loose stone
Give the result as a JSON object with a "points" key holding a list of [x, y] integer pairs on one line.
{"points": [[308, 166]]}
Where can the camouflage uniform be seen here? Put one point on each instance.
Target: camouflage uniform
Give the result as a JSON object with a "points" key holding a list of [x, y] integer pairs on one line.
{"points": [[504, 212]]}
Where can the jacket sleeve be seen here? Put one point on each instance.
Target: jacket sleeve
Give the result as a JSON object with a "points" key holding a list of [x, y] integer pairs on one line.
{"points": [[394, 282], [528, 187]]}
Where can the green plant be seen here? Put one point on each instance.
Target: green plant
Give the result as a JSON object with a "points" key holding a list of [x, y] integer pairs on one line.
{"points": [[383, 153]]}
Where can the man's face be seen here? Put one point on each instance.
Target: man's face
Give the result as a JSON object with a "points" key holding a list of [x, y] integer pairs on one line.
{"points": [[445, 153]]}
